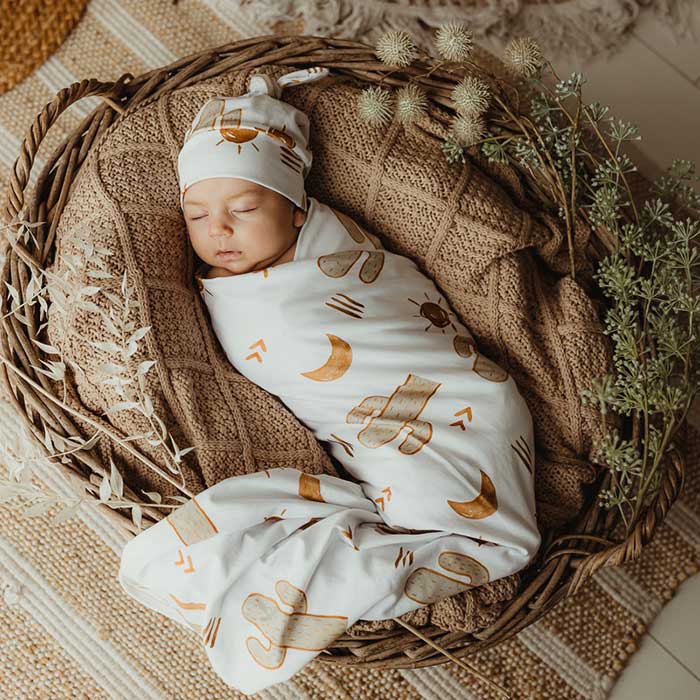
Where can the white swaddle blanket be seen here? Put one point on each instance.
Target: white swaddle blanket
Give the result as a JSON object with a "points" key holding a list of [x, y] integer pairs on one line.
{"points": [[271, 567]]}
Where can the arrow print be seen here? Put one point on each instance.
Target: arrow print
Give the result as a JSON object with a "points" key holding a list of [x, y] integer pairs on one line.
{"points": [[387, 492], [460, 423], [260, 343], [182, 561]]}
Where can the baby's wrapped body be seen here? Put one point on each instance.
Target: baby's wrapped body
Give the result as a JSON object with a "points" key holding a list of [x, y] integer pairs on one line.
{"points": [[363, 349]]}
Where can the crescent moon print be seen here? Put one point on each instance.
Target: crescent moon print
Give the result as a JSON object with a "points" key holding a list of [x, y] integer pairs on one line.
{"points": [[464, 346], [336, 365], [482, 506]]}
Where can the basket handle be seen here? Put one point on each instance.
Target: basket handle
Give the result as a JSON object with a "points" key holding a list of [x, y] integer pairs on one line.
{"points": [[110, 92]]}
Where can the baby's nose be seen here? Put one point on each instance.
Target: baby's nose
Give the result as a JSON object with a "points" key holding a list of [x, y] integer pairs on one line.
{"points": [[219, 228]]}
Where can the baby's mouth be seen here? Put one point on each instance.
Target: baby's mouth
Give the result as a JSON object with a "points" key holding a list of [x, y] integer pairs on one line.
{"points": [[228, 254]]}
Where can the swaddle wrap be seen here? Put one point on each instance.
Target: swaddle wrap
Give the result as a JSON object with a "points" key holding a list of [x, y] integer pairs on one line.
{"points": [[270, 568]]}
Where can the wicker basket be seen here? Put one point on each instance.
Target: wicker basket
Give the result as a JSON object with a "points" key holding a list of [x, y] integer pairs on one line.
{"points": [[564, 561]]}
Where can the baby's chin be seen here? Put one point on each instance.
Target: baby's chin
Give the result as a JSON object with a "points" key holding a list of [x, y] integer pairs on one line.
{"points": [[223, 268]]}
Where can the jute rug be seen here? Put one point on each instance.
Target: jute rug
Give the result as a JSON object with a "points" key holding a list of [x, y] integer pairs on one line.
{"points": [[66, 628], [31, 31], [574, 28]]}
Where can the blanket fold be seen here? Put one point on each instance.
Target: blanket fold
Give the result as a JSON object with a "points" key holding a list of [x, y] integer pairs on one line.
{"points": [[271, 567]]}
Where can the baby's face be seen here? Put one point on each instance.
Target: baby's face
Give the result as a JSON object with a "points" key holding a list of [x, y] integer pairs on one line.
{"points": [[232, 214]]}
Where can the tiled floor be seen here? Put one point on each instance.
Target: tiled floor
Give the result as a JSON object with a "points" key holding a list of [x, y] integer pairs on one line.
{"points": [[654, 82]]}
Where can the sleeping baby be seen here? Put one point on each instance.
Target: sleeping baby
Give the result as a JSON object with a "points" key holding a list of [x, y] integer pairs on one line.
{"points": [[270, 568]]}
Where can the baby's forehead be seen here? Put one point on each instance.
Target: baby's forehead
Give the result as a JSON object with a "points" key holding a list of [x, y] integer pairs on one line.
{"points": [[218, 188]]}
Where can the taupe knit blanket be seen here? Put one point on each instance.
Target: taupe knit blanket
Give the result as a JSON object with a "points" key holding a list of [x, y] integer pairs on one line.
{"points": [[501, 264]]}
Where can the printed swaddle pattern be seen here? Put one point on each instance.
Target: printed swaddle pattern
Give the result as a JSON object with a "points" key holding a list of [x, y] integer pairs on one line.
{"points": [[269, 568], [300, 629]]}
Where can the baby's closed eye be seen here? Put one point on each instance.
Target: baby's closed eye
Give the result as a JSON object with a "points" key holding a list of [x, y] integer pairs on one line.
{"points": [[238, 211]]}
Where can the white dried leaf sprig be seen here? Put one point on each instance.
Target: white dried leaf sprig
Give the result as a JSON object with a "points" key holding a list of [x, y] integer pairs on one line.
{"points": [[22, 456], [68, 293], [120, 374], [19, 485]]}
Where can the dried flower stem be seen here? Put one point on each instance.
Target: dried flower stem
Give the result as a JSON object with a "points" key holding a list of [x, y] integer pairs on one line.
{"points": [[568, 214], [558, 184], [94, 424], [573, 177]]}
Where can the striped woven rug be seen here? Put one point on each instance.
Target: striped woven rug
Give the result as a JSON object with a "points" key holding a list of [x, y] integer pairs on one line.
{"points": [[67, 631]]}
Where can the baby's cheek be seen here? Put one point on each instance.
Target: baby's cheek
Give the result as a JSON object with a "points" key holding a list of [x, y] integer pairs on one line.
{"points": [[201, 244]]}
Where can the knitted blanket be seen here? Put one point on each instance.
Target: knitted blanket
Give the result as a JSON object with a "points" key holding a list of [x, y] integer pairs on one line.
{"points": [[500, 264], [431, 490]]}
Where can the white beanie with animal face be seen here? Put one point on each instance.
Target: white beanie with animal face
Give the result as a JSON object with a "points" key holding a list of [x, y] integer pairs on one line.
{"points": [[256, 137]]}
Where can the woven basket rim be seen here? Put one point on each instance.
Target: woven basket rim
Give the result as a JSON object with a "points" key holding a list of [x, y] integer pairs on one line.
{"points": [[546, 583]]}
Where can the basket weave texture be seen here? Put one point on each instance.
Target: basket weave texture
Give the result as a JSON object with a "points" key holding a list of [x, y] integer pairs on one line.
{"points": [[457, 224], [474, 228]]}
